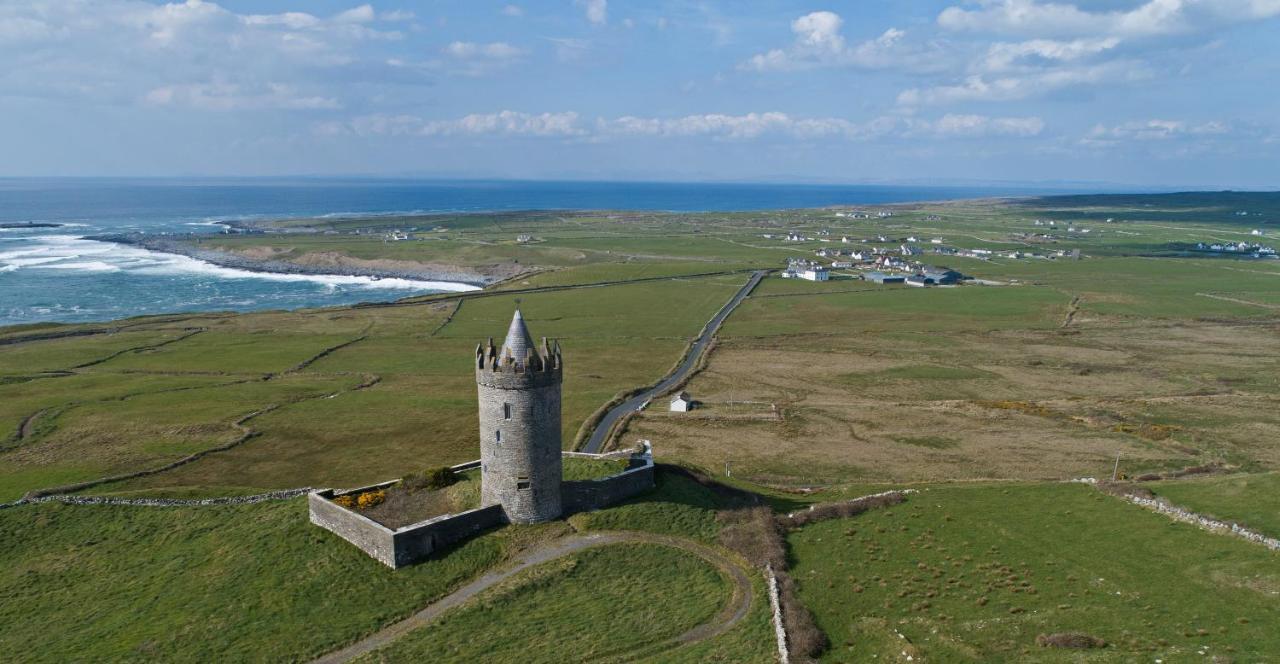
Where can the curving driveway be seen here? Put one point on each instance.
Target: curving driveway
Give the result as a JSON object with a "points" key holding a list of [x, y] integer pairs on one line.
{"points": [[605, 427], [733, 612]]}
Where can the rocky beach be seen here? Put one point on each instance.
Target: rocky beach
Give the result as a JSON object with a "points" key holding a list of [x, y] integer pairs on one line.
{"points": [[321, 263]]}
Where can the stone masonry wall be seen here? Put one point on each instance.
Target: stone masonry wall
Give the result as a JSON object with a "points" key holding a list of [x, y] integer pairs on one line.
{"points": [[587, 495], [520, 454], [370, 536], [415, 542], [410, 544]]}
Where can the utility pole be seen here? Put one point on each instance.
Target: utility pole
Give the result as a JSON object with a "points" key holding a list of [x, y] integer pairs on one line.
{"points": [[1115, 472]]}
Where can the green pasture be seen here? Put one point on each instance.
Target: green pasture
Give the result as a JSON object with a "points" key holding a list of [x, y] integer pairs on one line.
{"points": [[603, 601], [977, 573], [1250, 500]]}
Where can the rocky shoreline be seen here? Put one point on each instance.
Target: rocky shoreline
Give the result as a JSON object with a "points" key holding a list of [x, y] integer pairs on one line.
{"points": [[29, 224], [334, 265]]}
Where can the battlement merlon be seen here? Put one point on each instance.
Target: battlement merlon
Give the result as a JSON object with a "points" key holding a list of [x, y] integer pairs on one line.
{"points": [[519, 364]]}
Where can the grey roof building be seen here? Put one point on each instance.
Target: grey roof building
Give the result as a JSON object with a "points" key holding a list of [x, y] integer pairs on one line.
{"points": [[883, 278]]}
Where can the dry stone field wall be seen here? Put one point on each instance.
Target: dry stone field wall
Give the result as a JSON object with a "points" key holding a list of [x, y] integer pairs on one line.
{"points": [[284, 494], [1187, 516]]}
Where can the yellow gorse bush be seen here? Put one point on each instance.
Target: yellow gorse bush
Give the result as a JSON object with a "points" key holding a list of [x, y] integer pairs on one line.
{"points": [[370, 498]]}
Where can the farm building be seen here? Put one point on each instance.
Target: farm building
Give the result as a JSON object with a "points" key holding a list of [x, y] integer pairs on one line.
{"points": [[941, 275], [884, 278], [681, 403]]}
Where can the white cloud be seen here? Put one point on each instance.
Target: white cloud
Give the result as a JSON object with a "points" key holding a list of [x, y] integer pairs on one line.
{"points": [[503, 123], [1036, 52], [512, 10], [569, 49], [472, 59], [597, 11], [492, 51], [818, 42], [714, 126], [232, 97], [979, 87], [361, 14], [952, 125], [193, 54], [1156, 130], [1154, 17]]}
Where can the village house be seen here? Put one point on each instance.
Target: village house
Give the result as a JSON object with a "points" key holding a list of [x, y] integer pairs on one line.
{"points": [[816, 273], [681, 403]]}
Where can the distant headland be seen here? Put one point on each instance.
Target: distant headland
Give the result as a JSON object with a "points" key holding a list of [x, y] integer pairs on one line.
{"points": [[29, 224]]}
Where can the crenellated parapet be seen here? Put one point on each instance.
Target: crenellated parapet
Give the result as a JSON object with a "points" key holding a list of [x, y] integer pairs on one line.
{"points": [[536, 367]]}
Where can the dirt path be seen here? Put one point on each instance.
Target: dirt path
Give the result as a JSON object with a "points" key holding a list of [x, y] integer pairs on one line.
{"points": [[733, 612]]}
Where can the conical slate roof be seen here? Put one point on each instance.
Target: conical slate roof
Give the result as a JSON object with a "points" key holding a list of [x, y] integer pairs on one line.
{"points": [[518, 343]]}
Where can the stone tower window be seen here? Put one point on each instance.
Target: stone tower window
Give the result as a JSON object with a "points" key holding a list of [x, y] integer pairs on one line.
{"points": [[506, 411], [522, 483], [497, 436]]}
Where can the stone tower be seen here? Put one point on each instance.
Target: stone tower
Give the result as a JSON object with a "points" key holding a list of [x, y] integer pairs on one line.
{"points": [[519, 388]]}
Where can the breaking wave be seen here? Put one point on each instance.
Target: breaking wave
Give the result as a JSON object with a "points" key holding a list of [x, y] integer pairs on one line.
{"points": [[74, 253]]}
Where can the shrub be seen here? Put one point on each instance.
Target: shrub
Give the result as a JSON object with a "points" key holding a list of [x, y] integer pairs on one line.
{"points": [[347, 501], [1123, 489], [370, 498], [754, 533], [840, 510], [1069, 640], [803, 634], [431, 479]]}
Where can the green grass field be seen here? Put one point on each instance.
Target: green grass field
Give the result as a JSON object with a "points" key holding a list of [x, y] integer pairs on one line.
{"points": [[977, 573], [599, 602], [821, 391], [1251, 500], [236, 583], [258, 582]]}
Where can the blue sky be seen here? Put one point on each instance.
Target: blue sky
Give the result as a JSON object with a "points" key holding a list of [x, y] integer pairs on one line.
{"points": [[1143, 92]]}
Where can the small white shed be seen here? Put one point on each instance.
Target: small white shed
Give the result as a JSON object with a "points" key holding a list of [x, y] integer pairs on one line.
{"points": [[681, 403]]}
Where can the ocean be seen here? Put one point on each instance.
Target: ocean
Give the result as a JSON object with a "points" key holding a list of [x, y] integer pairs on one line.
{"points": [[56, 275]]}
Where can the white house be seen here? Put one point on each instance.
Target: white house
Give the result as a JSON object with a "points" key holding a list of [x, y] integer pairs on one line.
{"points": [[681, 403], [816, 273], [1256, 231]]}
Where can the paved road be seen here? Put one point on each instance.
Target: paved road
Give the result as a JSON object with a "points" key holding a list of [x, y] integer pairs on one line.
{"points": [[605, 427], [733, 611]]}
